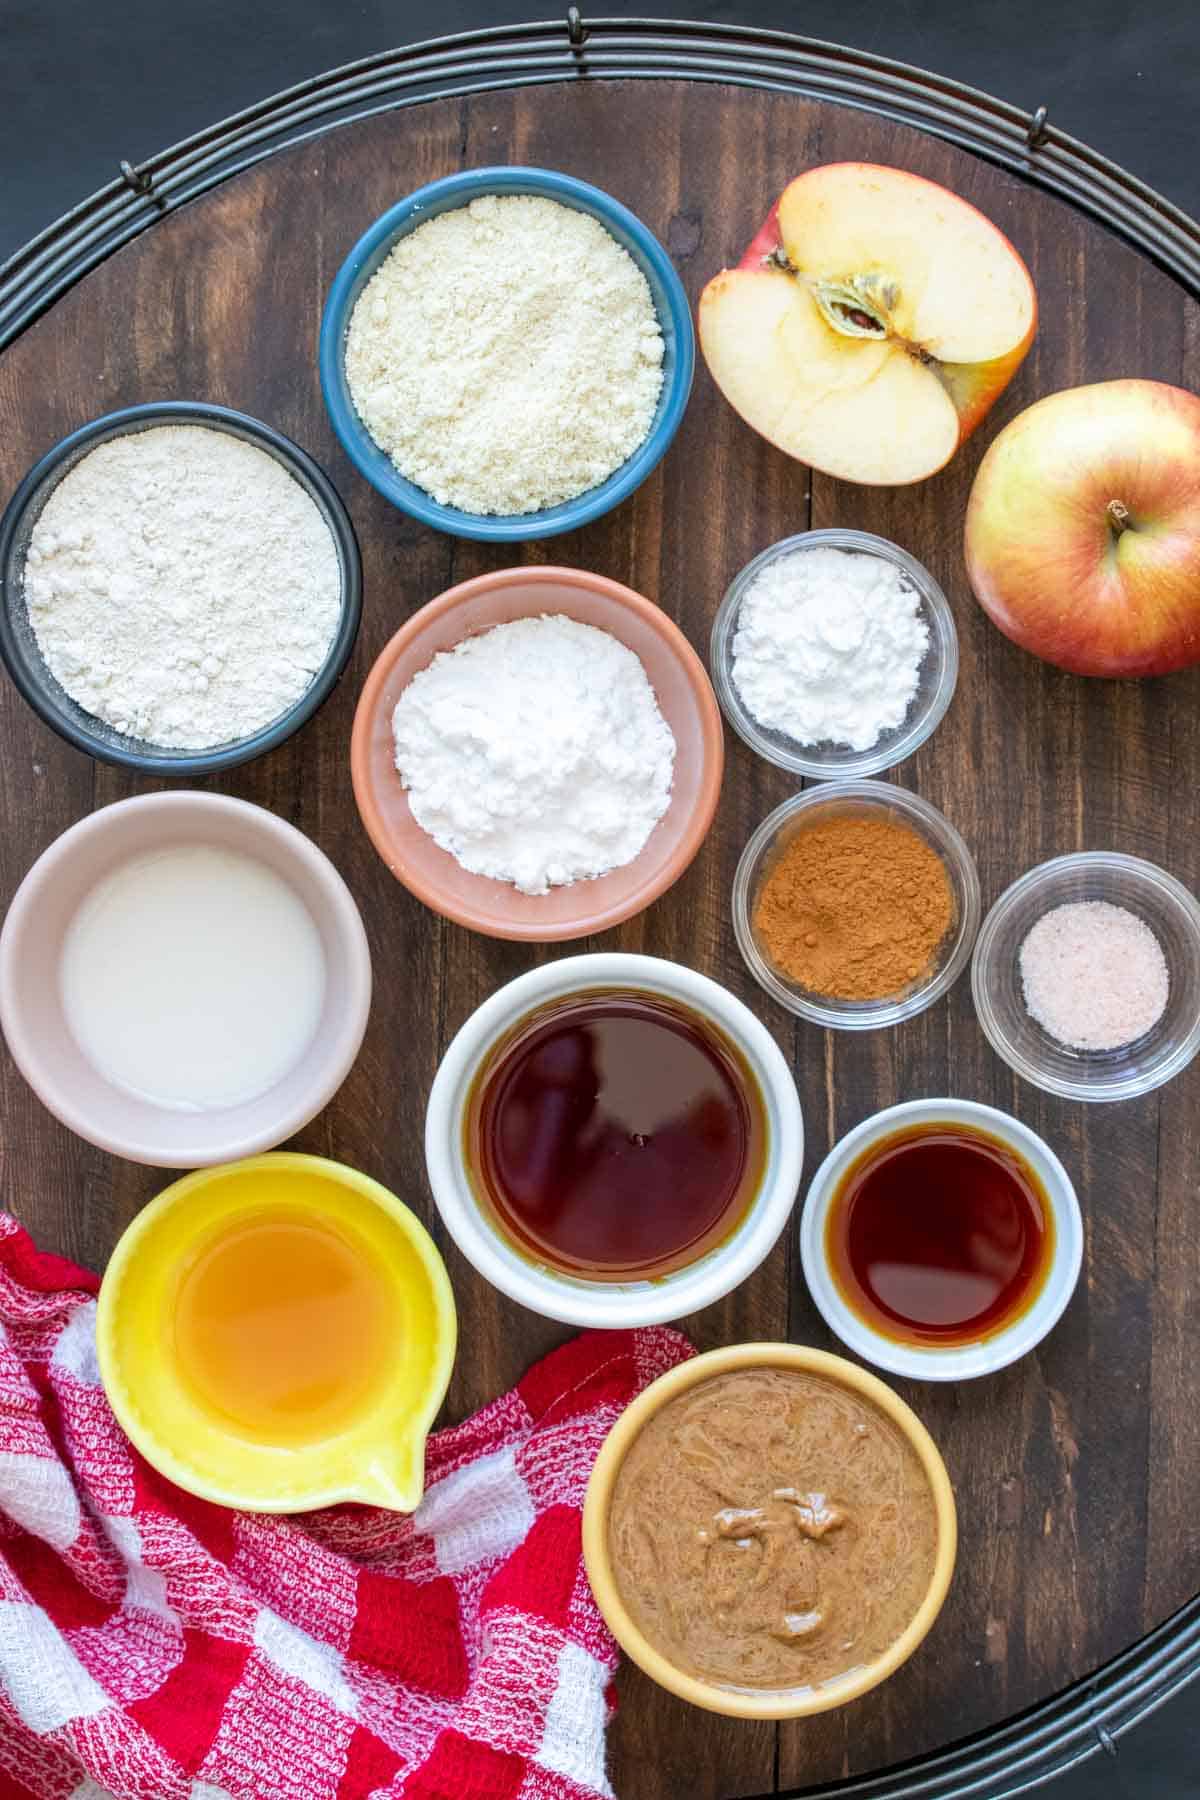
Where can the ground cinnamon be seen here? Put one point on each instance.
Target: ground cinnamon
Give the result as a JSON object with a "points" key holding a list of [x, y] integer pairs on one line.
{"points": [[854, 907]]}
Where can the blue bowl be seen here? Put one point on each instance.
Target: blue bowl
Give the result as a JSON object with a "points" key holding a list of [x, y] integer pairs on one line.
{"points": [[19, 647], [670, 303]]}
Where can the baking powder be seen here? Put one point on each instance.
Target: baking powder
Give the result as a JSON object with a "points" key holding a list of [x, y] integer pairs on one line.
{"points": [[182, 586], [828, 646], [507, 355], [535, 753]]}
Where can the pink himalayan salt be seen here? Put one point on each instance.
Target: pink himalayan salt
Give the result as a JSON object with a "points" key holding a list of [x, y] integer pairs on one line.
{"points": [[1093, 974]]}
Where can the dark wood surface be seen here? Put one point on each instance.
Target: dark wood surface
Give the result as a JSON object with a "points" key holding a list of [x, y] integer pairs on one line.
{"points": [[1076, 1471]]}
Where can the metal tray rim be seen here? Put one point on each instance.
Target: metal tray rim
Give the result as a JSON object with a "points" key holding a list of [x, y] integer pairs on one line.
{"points": [[1090, 1717], [37, 274]]}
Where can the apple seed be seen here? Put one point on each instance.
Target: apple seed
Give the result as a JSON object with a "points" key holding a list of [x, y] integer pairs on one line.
{"points": [[847, 309]]}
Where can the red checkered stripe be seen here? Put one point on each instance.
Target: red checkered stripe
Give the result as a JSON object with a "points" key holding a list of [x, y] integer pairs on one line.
{"points": [[155, 1647]]}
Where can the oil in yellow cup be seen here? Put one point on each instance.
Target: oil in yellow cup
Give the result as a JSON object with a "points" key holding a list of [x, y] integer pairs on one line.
{"points": [[366, 1443]]}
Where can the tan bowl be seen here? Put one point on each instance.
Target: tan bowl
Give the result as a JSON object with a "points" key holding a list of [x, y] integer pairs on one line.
{"points": [[744, 1703], [36, 1027], [684, 695]]}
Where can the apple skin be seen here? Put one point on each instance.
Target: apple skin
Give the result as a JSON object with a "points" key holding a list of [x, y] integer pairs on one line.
{"points": [[1044, 558], [765, 241], [973, 388]]}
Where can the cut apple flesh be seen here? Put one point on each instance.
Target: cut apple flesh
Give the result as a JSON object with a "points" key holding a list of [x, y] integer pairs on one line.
{"points": [[871, 325], [945, 278], [852, 406]]}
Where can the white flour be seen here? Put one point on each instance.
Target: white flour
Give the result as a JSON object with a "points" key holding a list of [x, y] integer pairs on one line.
{"points": [[828, 646], [535, 753], [182, 586], [507, 355]]}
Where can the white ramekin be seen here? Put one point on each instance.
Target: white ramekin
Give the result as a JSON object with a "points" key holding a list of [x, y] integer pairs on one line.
{"points": [[613, 1304], [35, 1023], [959, 1362]]}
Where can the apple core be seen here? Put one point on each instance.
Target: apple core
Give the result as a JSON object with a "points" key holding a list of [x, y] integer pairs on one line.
{"points": [[871, 323]]}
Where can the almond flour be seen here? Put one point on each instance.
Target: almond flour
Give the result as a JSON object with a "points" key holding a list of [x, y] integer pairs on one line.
{"points": [[507, 355]]}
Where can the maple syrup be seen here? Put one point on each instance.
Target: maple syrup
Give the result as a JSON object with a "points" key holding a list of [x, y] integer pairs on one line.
{"points": [[615, 1135], [939, 1234]]}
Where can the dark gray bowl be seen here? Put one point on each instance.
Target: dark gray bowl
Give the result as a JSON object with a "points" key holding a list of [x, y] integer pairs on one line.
{"points": [[19, 647]]}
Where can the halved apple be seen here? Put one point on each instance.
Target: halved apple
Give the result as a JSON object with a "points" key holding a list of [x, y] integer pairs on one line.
{"points": [[870, 325]]}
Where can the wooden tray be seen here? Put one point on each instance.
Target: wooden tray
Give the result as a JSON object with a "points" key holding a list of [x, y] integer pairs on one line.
{"points": [[1077, 1470]]}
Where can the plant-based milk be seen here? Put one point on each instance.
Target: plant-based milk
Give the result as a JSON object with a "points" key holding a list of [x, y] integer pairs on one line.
{"points": [[193, 977]]}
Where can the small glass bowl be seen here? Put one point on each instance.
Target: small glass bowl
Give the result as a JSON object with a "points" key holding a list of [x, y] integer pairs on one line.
{"points": [[1172, 914], [878, 798], [936, 677]]}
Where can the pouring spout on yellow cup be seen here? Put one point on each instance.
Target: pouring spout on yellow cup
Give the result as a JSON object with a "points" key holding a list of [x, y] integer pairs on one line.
{"points": [[277, 1335]]}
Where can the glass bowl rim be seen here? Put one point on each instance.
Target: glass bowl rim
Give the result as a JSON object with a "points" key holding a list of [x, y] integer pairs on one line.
{"points": [[1044, 876], [943, 639], [955, 854]]}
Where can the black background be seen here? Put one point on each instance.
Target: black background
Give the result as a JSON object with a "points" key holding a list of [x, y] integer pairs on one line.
{"points": [[84, 83]]}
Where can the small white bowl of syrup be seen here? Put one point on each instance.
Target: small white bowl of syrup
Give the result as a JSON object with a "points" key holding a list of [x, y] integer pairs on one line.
{"points": [[941, 1239], [614, 1140]]}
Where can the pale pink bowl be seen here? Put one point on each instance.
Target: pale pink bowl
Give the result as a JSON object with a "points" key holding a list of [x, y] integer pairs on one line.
{"points": [[37, 1031], [685, 698]]}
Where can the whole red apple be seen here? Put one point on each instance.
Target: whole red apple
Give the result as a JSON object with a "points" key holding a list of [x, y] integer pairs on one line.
{"points": [[1083, 529], [871, 323]]}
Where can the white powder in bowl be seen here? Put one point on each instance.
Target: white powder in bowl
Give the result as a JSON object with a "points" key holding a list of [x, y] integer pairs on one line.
{"points": [[828, 646], [535, 753], [506, 355], [1094, 975], [182, 586]]}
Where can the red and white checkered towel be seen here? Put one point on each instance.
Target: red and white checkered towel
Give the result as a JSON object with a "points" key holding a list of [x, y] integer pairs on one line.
{"points": [[155, 1647]]}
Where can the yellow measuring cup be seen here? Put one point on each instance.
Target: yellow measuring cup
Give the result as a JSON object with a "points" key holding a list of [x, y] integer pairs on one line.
{"points": [[278, 1334]]}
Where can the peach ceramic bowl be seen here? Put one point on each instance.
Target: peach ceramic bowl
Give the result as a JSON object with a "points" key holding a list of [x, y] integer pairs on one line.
{"points": [[762, 1703], [40, 1038], [684, 695]]}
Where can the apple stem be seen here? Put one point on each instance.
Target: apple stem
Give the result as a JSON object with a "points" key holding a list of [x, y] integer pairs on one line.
{"points": [[1118, 517]]}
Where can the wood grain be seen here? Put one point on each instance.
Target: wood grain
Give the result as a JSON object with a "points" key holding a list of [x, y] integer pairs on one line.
{"points": [[1076, 1471]]}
